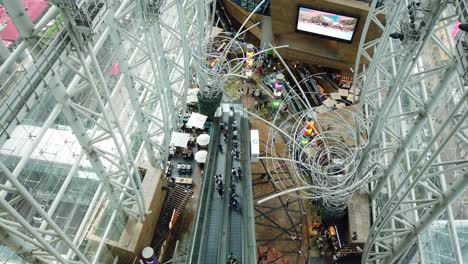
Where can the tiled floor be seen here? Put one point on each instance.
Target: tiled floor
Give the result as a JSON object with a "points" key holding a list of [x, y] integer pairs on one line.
{"points": [[283, 249]]}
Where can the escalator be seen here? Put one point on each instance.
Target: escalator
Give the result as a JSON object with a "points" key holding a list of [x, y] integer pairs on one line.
{"points": [[221, 230], [215, 212]]}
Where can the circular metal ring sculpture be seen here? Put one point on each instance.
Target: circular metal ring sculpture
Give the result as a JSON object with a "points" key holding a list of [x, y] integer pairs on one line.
{"points": [[225, 57], [322, 150]]}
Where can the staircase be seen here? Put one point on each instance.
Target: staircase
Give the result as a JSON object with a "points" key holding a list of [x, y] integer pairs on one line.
{"points": [[174, 206], [347, 247]]}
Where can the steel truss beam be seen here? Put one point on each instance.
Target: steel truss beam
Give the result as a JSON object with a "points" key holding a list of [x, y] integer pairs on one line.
{"points": [[402, 93], [23, 23], [167, 65], [93, 152], [32, 231], [295, 222], [116, 169]]}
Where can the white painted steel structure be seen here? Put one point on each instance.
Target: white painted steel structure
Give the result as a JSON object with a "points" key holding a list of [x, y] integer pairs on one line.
{"points": [[416, 106], [95, 89], [108, 77]]}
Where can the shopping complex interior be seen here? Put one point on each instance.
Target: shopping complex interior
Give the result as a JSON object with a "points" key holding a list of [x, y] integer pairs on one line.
{"points": [[233, 131]]}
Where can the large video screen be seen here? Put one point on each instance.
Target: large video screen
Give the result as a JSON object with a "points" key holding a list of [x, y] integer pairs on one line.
{"points": [[326, 24]]}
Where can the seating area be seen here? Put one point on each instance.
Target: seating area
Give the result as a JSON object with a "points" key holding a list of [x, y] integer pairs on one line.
{"points": [[182, 163], [184, 168]]}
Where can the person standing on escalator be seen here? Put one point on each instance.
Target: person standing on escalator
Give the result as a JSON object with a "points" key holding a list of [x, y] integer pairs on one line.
{"points": [[232, 259], [221, 189], [239, 173]]}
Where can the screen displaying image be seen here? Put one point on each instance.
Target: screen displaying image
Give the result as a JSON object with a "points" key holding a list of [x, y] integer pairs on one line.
{"points": [[327, 24]]}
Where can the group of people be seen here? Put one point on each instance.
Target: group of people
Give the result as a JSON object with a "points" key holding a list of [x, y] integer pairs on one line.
{"points": [[234, 201], [236, 174], [225, 130], [260, 105], [219, 184], [328, 236], [235, 153], [232, 259], [255, 92]]}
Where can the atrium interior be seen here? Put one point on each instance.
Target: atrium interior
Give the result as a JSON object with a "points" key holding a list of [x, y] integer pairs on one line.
{"points": [[233, 131]]}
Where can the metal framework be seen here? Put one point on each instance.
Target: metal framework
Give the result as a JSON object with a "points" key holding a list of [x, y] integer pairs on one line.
{"points": [[91, 93], [409, 143], [287, 238], [322, 165], [92, 89], [416, 107]]}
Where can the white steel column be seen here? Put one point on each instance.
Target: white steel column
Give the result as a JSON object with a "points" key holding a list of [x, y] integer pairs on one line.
{"points": [[4, 54], [23, 222], [22, 22], [154, 44], [143, 129], [22, 246], [85, 141], [109, 123], [14, 56], [17, 54], [414, 86], [456, 189], [34, 204], [171, 41], [443, 182], [185, 46], [267, 33]]}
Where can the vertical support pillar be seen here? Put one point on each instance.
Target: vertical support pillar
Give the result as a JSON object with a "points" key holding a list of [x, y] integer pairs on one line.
{"points": [[131, 88], [156, 52], [442, 178], [418, 124], [185, 47], [37, 207], [456, 189], [83, 138], [4, 54], [111, 121], [20, 246], [267, 33], [23, 23]]}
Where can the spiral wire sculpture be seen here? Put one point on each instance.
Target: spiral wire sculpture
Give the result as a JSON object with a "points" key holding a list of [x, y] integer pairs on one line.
{"points": [[224, 58], [321, 166]]}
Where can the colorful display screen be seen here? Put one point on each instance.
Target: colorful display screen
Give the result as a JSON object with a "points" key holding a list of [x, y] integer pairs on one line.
{"points": [[329, 25]]}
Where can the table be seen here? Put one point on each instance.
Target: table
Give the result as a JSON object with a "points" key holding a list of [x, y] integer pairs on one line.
{"points": [[183, 180], [187, 153], [184, 168]]}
